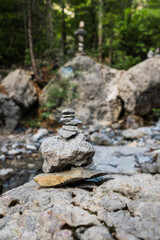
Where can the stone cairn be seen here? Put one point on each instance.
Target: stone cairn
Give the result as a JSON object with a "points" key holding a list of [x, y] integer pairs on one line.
{"points": [[80, 33], [66, 154], [69, 128]]}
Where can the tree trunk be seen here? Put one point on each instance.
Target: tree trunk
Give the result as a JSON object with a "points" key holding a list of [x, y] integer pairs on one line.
{"points": [[31, 43], [100, 31], [25, 25], [111, 36], [93, 42], [50, 25], [63, 29], [110, 44]]}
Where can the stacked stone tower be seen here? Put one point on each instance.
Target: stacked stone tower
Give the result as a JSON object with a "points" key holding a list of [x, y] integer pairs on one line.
{"points": [[69, 128], [65, 151]]}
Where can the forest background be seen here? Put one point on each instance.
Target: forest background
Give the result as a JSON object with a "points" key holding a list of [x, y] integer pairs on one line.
{"points": [[119, 32]]}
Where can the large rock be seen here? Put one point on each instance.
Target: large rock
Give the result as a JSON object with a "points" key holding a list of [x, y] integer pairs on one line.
{"points": [[105, 94], [60, 154], [91, 80], [139, 87], [20, 87], [123, 208], [9, 113]]}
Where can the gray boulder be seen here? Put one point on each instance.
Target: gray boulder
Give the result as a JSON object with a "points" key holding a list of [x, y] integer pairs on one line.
{"points": [[91, 80], [104, 94], [20, 87], [60, 154], [9, 113], [139, 87]]}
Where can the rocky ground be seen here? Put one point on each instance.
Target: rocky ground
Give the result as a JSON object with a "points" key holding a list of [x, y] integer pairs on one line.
{"points": [[123, 204], [126, 207]]}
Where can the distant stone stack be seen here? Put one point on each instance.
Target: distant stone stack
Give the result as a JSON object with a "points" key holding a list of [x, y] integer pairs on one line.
{"points": [[69, 128]]}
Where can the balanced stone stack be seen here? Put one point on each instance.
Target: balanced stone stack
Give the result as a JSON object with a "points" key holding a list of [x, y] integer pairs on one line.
{"points": [[66, 154], [69, 129]]}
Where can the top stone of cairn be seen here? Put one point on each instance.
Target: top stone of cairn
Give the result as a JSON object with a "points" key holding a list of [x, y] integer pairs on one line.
{"points": [[69, 128], [68, 111]]}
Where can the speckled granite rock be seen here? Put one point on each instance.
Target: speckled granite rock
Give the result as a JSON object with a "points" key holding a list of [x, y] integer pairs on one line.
{"points": [[123, 208]]}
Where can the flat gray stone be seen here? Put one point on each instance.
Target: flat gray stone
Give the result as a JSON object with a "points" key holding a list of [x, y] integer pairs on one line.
{"points": [[66, 134], [65, 120], [70, 128], [73, 122], [68, 116], [68, 111]]}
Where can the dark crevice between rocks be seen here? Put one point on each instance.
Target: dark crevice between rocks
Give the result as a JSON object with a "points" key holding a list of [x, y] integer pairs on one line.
{"points": [[13, 203], [120, 209], [125, 209], [131, 213], [1, 216], [88, 189], [112, 231], [73, 229], [73, 194], [122, 112], [129, 195], [74, 204]]}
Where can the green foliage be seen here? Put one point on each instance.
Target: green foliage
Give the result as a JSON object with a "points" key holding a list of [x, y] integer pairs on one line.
{"points": [[61, 91], [157, 112], [12, 38], [129, 28], [27, 57], [122, 61], [29, 121]]}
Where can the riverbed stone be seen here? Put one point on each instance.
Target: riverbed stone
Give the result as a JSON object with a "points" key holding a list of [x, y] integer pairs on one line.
{"points": [[42, 132]]}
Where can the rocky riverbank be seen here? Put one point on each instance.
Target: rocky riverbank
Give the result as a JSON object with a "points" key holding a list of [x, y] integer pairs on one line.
{"points": [[117, 151], [123, 204]]}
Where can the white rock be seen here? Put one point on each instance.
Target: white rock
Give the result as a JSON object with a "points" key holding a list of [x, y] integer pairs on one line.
{"points": [[40, 134], [4, 149], [6, 171], [31, 147]]}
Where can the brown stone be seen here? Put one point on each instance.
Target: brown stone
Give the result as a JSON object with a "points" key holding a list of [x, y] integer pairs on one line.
{"points": [[65, 177]]}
